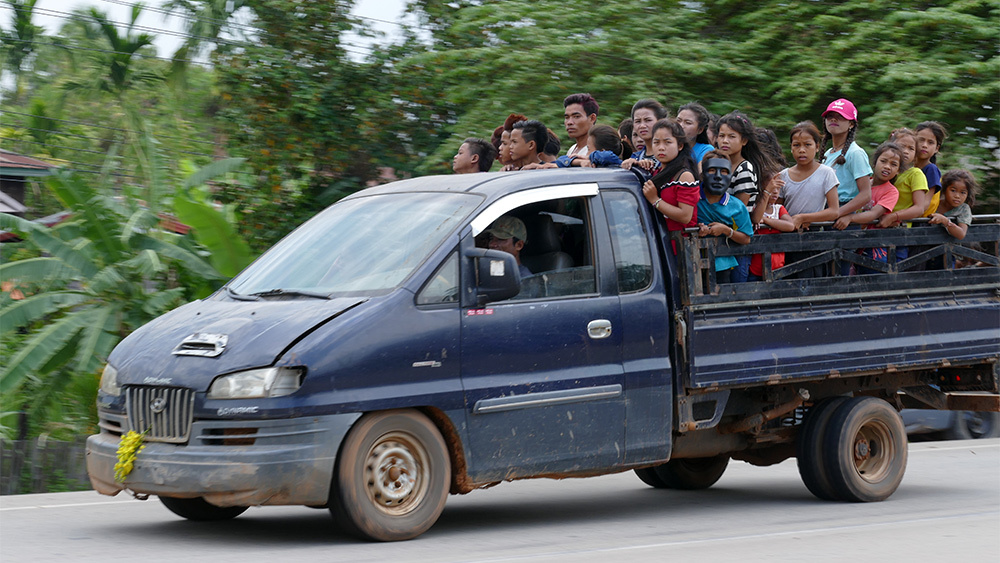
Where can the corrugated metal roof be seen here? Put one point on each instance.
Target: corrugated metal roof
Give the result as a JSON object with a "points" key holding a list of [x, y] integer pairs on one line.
{"points": [[10, 159]]}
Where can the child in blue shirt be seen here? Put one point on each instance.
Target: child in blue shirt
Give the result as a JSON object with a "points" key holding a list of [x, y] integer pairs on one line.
{"points": [[720, 214]]}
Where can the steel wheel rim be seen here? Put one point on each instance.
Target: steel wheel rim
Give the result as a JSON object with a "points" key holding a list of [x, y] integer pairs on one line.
{"points": [[395, 473], [873, 451]]}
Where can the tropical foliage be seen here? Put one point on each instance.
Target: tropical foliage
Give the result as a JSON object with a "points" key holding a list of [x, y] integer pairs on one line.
{"points": [[285, 86], [95, 278]]}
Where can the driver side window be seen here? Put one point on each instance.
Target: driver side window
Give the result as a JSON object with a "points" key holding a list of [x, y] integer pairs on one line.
{"points": [[556, 255]]}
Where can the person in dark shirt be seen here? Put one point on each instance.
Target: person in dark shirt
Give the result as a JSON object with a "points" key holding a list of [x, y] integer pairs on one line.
{"points": [[509, 234]]}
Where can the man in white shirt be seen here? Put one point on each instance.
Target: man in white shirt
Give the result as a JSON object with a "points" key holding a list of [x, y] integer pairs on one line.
{"points": [[580, 115]]}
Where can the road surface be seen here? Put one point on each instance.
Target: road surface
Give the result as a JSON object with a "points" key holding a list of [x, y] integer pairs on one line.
{"points": [[947, 509]]}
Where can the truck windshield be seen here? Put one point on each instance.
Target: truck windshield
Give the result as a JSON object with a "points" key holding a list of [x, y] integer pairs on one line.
{"points": [[358, 246]]}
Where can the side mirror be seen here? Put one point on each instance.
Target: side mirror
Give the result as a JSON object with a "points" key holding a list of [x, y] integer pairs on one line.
{"points": [[497, 275]]}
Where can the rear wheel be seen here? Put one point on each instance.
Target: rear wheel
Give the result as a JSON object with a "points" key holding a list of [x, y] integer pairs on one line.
{"points": [[865, 450], [809, 448], [392, 476], [200, 510], [692, 473]]}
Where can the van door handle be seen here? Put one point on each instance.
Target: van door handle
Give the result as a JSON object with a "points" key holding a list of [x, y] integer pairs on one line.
{"points": [[601, 328]]}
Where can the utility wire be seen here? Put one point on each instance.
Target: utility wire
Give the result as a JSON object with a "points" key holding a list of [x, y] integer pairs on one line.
{"points": [[178, 13], [103, 152], [238, 25], [86, 17], [163, 31], [64, 134], [110, 128], [109, 51]]}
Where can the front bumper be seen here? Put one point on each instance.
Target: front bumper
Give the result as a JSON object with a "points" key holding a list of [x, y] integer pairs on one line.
{"points": [[291, 461]]}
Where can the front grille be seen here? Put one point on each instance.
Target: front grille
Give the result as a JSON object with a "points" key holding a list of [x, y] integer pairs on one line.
{"points": [[111, 422], [165, 413]]}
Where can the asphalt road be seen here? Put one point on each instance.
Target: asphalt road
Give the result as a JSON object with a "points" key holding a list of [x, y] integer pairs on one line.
{"points": [[947, 509]]}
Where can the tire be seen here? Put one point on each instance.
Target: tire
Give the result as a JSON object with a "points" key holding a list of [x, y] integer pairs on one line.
{"points": [[392, 476], [200, 510], [648, 476], [970, 425], [865, 450], [809, 453], [692, 474]]}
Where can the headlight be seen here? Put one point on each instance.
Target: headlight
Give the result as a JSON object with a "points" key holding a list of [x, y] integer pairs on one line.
{"points": [[109, 381], [256, 384]]}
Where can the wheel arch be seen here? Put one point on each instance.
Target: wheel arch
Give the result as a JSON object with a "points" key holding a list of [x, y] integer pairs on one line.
{"points": [[460, 481]]}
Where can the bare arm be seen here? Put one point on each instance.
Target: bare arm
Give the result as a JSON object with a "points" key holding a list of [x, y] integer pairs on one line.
{"points": [[783, 224], [920, 200], [720, 230], [957, 230], [681, 213], [863, 197], [873, 214], [832, 211], [773, 186]]}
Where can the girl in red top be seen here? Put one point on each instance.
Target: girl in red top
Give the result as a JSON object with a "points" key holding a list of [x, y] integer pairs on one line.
{"points": [[774, 220], [673, 191]]}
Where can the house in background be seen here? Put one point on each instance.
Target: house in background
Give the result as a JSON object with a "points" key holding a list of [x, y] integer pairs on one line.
{"points": [[15, 172]]}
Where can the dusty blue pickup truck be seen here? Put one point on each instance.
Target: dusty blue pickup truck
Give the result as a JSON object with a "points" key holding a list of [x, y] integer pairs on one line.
{"points": [[382, 356]]}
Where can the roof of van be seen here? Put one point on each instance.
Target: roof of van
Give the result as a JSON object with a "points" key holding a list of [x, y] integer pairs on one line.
{"points": [[493, 184]]}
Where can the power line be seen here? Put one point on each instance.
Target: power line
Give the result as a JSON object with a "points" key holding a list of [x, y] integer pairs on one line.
{"points": [[33, 142], [60, 133], [249, 27], [158, 30], [109, 51], [189, 17], [110, 128], [104, 152], [90, 18]]}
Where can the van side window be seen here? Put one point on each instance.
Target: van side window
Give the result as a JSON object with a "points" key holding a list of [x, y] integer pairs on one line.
{"points": [[443, 285], [558, 249], [629, 242]]}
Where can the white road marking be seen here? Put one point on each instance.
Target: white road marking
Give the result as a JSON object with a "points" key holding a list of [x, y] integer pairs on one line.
{"points": [[805, 531], [73, 505]]}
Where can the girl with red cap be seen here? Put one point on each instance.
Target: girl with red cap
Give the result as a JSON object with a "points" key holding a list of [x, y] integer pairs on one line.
{"points": [[847, 159]]}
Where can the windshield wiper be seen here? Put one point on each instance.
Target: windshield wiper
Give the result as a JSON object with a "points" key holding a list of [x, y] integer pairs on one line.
{"points": [[240, 296], [290, 292]]}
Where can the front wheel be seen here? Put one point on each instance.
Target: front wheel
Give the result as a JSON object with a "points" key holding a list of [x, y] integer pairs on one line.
{"points": [[392, 476], [648, 476], [691, 474], [865, 450], [200, 510]]}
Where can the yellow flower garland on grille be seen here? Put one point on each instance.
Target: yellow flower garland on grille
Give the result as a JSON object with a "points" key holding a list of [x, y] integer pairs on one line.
{"points": [[128, 448]]}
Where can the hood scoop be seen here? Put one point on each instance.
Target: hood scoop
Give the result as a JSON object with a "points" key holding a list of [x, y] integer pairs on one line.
{"points": [[202, 344]]}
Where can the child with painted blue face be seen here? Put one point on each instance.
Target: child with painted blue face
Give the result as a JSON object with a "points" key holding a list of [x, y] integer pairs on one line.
{"points": [[719, 213]]}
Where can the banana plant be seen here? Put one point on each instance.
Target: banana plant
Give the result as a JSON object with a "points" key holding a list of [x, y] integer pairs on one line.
{"points": [[100, 275]]}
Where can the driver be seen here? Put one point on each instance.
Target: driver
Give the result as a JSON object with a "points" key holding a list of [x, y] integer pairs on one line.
{"points": [[509, 235]]}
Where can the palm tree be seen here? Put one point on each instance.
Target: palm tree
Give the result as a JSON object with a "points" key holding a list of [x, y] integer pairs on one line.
{"points": [[206, 22], [19, 41], [116, 73]]}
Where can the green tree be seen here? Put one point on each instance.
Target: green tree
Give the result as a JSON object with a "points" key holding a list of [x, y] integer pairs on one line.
{"points": [[313, 123], [780, 62]]}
